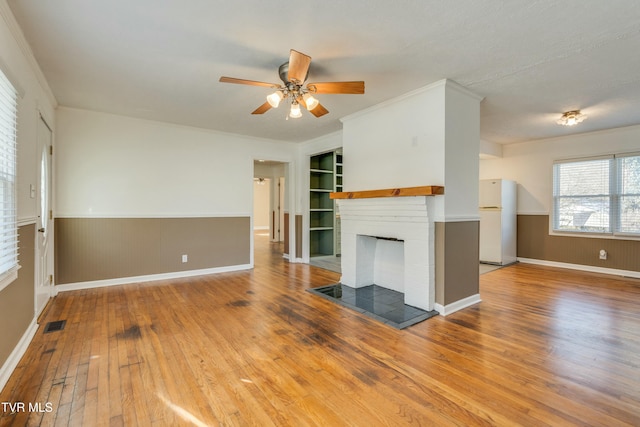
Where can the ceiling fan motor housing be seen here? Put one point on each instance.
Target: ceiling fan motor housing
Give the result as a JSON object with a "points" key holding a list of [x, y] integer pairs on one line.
{"points": [[283, 71]]}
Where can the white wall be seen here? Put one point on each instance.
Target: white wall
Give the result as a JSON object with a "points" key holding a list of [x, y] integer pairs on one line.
{"points": [[428, 137], [462, 142], [399, 143], [530, 163], [115, 166], [35, 97]]}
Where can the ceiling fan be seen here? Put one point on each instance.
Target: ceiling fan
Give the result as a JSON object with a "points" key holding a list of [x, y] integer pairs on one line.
{"points": [[293, 75]]}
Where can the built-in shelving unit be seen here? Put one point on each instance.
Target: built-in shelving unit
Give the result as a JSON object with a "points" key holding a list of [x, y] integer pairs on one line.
{"points": [[325, 177], [338, 187]]}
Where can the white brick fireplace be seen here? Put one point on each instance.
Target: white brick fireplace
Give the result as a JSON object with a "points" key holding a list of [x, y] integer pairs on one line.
{"points": [[389, 242]]}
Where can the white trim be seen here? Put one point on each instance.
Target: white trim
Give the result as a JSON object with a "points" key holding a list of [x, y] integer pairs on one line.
{"points": [[589, 268], [27, 221], [458, 305], [547, 213], [460, 218], [178, 126], [25, 48], [99, 215], [14, 358], [148, 278], [440, 83], [9, 277], [593, 234]]}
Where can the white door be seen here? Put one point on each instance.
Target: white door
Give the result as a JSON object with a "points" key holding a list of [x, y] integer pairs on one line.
{"points": [[44, 261]]}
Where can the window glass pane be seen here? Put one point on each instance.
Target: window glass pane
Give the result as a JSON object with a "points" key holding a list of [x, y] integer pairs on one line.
{"points": [[8, 222], [589, 177], [629, 169], [582, 196]]}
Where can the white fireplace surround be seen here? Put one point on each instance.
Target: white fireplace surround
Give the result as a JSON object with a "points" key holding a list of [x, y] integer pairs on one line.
{"points": [[407, 232]]}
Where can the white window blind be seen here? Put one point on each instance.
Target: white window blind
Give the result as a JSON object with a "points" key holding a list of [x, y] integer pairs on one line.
{"points": [[628, 167], [8, 220], [597, 195]]}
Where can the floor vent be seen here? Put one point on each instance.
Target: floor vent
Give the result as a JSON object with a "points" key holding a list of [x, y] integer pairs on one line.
{"points": [[58, 325]]}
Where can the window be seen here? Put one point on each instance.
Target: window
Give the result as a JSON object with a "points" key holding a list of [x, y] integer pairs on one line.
{"points": [[597, 195], [8, 220], [629, 194]]}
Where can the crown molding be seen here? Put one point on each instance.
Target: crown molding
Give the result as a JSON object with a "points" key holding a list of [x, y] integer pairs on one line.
{"points": [[444, 83], [23, 45]]}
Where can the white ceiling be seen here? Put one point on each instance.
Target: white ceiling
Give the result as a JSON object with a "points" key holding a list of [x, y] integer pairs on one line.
{"points": [[161, 60]]}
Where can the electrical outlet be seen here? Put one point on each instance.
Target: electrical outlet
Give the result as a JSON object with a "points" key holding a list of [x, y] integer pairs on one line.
{"points": [[185, 258], [603, 254]]}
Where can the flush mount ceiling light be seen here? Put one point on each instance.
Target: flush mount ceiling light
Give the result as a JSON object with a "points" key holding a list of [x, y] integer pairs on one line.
{"points": [[571, 118]]}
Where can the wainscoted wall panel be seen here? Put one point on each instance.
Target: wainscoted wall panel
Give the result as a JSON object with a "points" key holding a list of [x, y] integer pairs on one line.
{"points": [[298, 228], [17, 299], [535, 242], [286, 233], [456, 257], [89, 249]]}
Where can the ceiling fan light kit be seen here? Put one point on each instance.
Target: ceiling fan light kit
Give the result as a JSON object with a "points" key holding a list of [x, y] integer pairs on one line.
{"points": [[293, 75], [295, 112], [310, 101], [275, 98], [571, 118]]}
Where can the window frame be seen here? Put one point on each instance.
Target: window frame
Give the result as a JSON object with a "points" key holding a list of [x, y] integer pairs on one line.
{"points": [[614, 195], [620, 195], [8, 149]]}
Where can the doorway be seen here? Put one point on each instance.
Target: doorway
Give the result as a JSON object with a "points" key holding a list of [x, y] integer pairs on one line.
{"points": [[269, 208], [44, 246]]}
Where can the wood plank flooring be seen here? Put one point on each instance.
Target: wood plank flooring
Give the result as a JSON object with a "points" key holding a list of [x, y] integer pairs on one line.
{"points": [[545, 347]]}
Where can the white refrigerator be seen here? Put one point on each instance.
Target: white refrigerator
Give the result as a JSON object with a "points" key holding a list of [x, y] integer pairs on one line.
{"points": [[498, 221]]}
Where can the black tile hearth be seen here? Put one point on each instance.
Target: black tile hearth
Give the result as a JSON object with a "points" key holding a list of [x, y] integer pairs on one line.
{"points": [[382, 304]]}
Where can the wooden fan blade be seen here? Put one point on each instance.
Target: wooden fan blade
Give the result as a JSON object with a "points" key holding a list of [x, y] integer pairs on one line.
{"points": [[298, 66], [247, 82], [351, 88], [319, 111], [262, 109]]}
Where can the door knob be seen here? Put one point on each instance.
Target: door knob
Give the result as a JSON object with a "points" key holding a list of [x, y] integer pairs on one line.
{"points": [[41, 230]]}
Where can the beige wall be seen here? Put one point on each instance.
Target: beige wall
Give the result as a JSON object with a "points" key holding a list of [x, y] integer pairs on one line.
{"points": [[456, 258], [89, 249], [16, 300], [535, 242]]}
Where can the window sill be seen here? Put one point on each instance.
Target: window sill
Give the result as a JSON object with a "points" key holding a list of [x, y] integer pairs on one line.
{"points": [[9, 277], [595, 235]]}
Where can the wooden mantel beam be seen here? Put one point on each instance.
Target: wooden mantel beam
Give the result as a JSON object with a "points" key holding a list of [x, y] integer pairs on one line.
{"points": [[427, 190]]}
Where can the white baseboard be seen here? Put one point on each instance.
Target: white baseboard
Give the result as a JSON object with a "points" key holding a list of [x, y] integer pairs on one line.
{"points": [[590, 268], [149, 278], [17, 353], [458, 305]]}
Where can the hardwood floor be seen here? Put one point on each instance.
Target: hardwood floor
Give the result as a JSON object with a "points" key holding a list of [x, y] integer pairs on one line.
{"points": [[545, 347]]}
